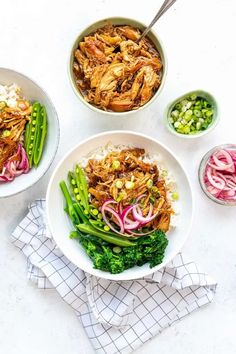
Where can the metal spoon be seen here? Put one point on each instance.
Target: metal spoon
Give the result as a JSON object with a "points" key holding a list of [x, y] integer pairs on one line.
{"points": [[164, 7]]}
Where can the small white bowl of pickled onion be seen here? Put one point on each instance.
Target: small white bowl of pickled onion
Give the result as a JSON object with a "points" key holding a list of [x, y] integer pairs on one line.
{"points": [[217, 174]]}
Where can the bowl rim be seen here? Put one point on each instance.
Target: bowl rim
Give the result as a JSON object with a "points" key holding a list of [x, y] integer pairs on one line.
{"points": [[57, 132], [201, 168], [107, 275], [201, 133], [76, 90]]}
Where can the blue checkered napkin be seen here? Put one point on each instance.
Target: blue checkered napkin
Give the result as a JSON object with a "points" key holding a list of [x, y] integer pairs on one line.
{"points": [[118, 317]]}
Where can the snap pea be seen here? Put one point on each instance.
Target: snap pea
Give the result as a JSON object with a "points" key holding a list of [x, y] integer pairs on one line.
{"points": [[41, 131], [31, 127], [80, 213], [75, 187], [82, 185], [26, 135], [116, 240], [101, 226]]}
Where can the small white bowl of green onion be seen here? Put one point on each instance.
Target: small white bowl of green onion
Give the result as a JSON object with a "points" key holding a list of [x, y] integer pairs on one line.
{"points": [[192, 115]]}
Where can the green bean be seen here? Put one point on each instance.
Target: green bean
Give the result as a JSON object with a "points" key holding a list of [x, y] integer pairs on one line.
{"points": [[41, 131], [116, 240]]}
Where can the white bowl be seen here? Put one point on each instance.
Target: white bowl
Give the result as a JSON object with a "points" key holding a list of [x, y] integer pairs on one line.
{"points": [[32, 92], [61, 226]]}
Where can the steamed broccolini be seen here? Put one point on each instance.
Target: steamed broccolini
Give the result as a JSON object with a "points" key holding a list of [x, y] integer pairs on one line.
{"points": [[148, 249]]}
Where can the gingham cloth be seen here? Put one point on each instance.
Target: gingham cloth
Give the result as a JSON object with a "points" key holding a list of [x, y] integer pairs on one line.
{"points": [[118, 317]]}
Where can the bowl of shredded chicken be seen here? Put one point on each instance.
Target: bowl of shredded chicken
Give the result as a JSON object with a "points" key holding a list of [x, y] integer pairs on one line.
{"points": [[111, 71]]}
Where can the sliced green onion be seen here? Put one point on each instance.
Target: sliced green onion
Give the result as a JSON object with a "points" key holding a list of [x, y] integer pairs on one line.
{"points": [[152, 199], [155, 192], [115, 164], [6, 133], [129, 185], [119, 184], [116, 249], [121, 196], [175, 196], [191, 115], [149, 183]]}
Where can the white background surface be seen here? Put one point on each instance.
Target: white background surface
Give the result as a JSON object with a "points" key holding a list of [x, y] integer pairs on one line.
{"points": [[199, 38]]}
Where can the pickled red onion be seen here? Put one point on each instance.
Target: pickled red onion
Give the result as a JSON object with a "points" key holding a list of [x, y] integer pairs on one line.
{"points": [[16, 165], [220, 174]]}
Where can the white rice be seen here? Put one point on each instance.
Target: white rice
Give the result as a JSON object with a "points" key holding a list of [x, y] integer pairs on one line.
{"points": [[157, 159], [10, 94]]}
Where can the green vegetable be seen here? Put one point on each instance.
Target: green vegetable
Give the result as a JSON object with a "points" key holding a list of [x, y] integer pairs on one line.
{"points": [[149, 183], [80, 212], [175, 196], [116, 240], [40, 132], [82, 186], [119, 184], [69, 204], [155, 192], [152, 199], [191, 115], [115, 260], [35, 133], [116, 249], [2, 105], [94, 212], [121, 196], [129, 185], [6, 133], [77, 193], [31, 128], [116, 164]]}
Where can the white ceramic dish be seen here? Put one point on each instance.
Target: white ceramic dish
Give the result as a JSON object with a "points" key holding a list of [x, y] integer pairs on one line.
{"points": [[61, 226], [32, 92]]}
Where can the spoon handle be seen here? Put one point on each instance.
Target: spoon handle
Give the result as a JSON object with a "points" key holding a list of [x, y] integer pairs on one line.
{"points": [[164, 7]]}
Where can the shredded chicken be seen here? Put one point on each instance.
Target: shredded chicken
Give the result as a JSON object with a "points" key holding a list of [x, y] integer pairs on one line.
{"points": [[115, 73], [124, 177], [12, 121]]}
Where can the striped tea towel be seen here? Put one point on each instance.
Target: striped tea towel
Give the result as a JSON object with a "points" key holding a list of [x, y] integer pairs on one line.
{"points": [[118, 317]]}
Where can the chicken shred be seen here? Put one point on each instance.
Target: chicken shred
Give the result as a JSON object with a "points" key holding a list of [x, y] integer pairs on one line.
{"points": [[115, 73], [12, 121]]}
